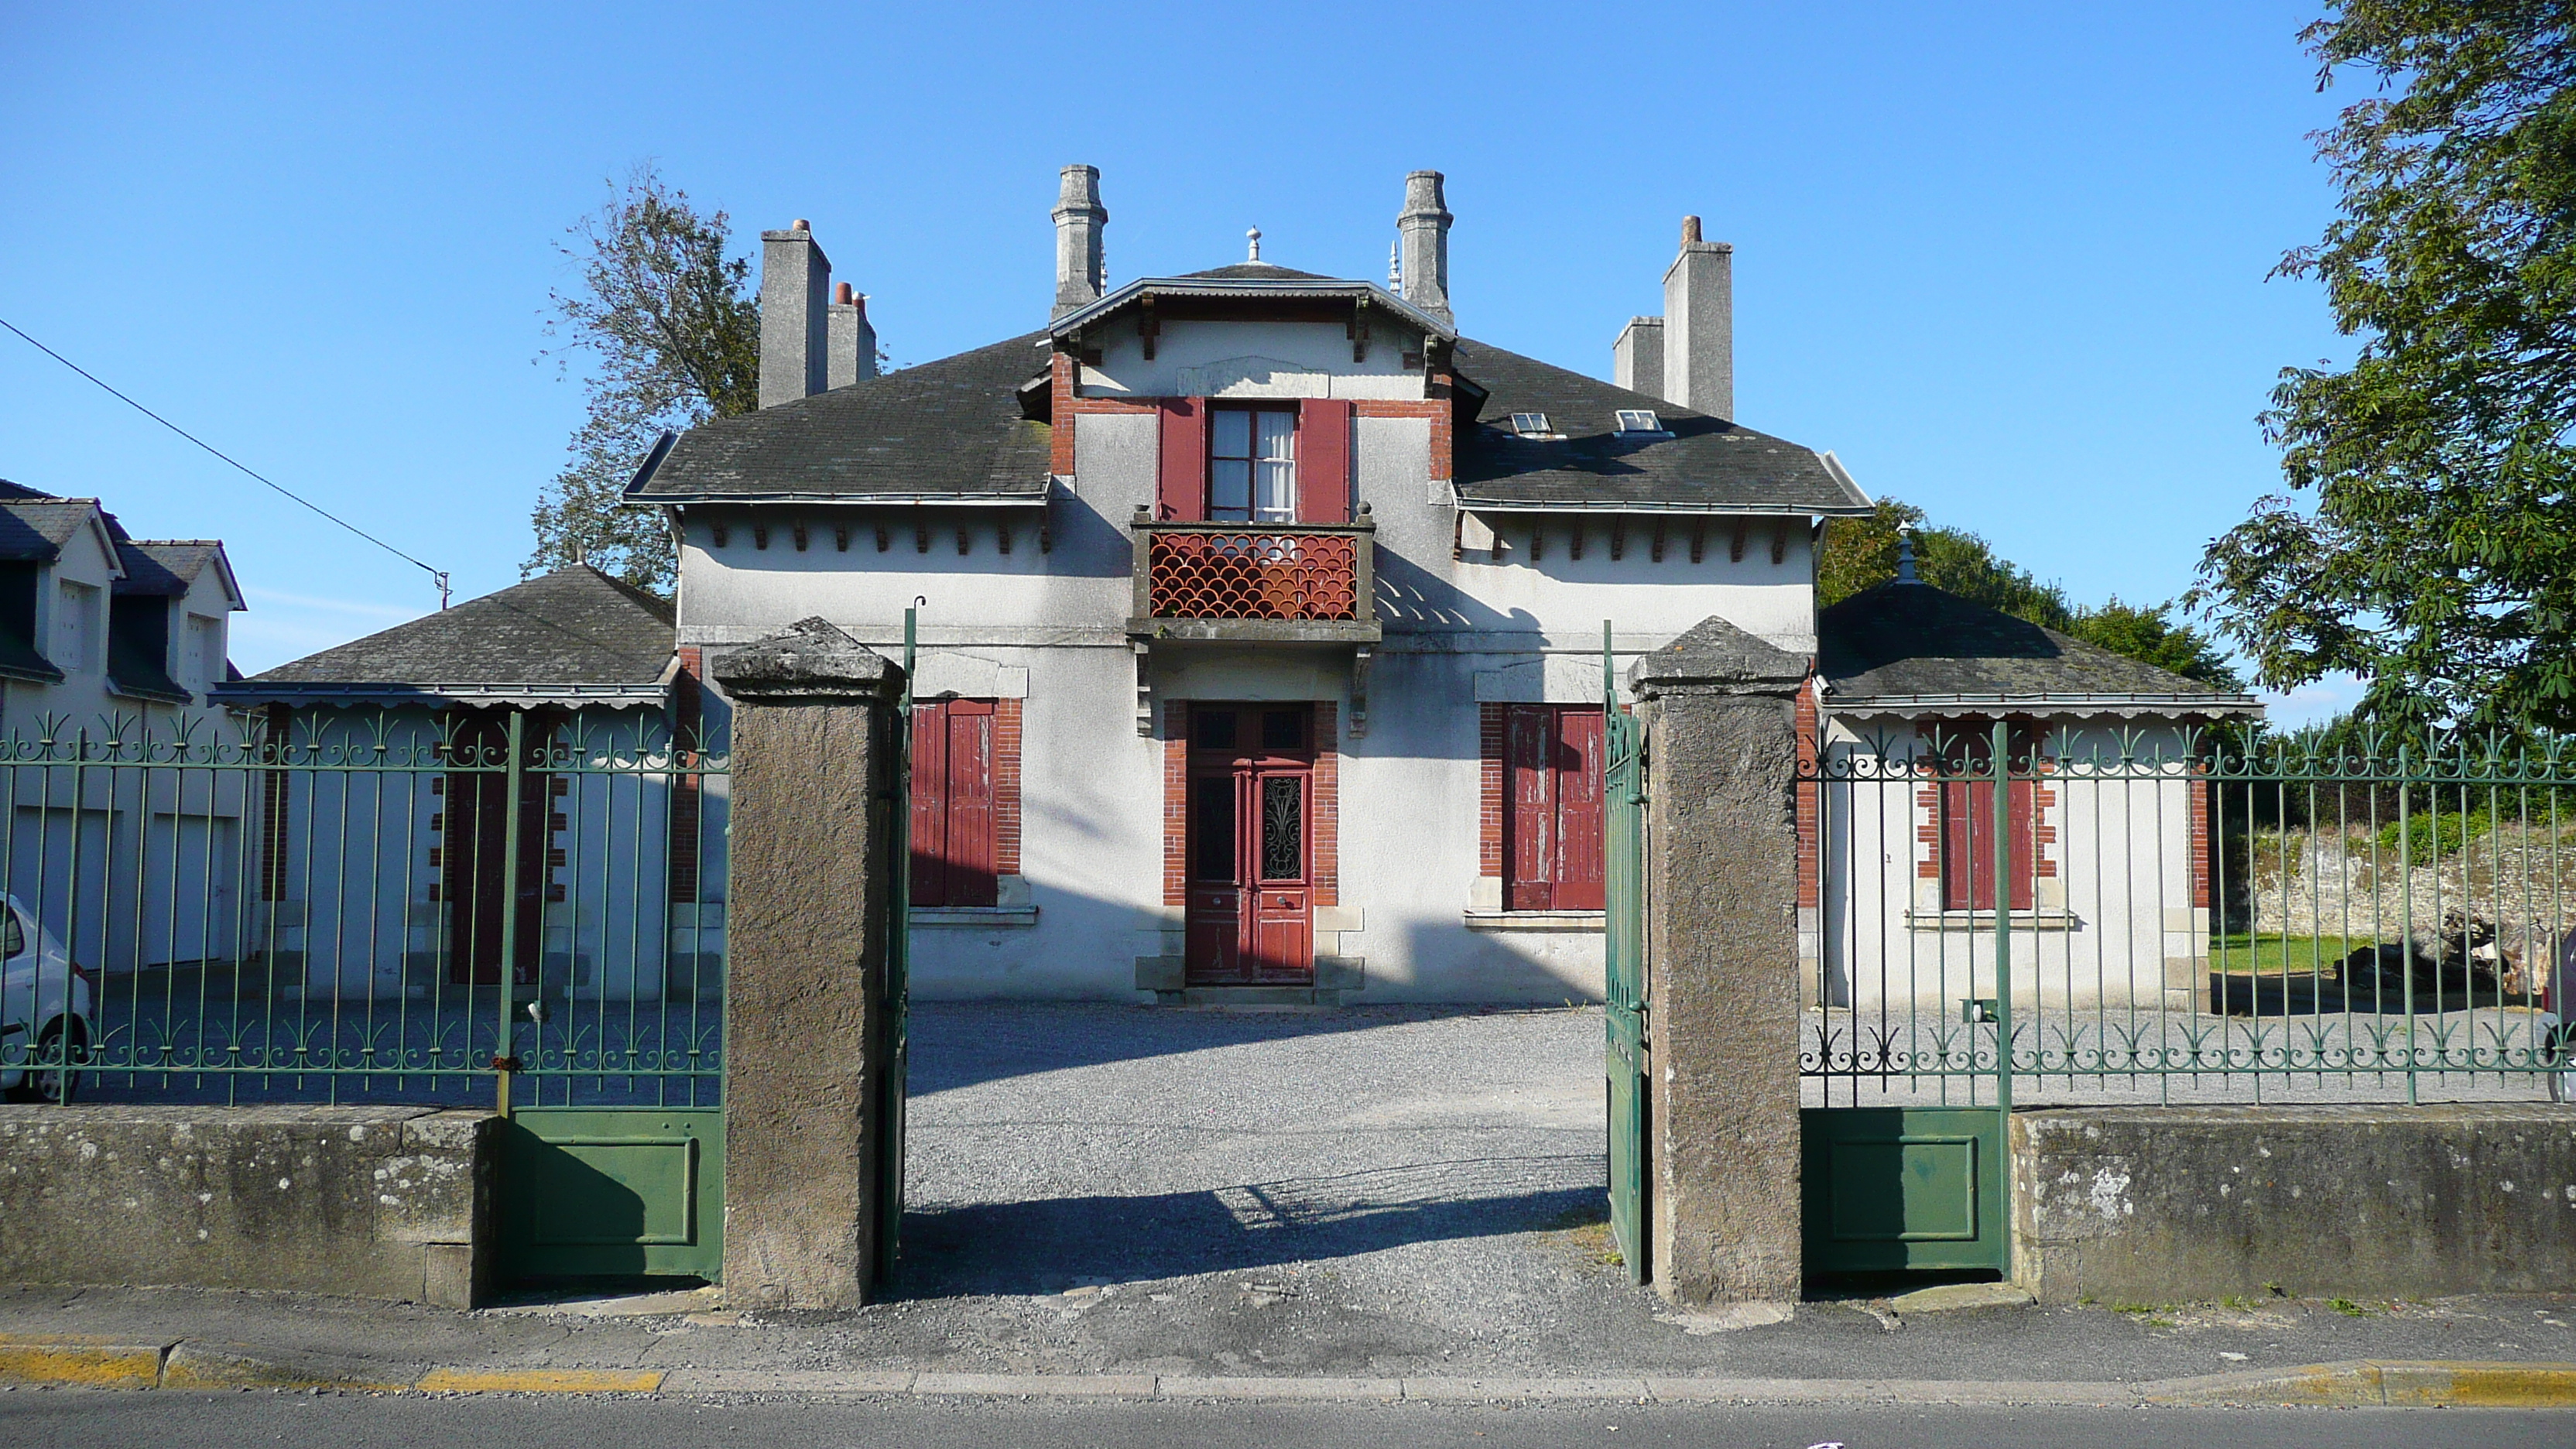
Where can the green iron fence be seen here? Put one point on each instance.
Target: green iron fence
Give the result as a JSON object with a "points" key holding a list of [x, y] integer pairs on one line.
{"points": [[512, 906], [2186, 916]]}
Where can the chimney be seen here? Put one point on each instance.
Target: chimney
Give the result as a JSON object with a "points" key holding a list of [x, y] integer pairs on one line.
{"points": [[794, 277], [854, 342], [1637, 358], [1424, 228], [1699, 325], [1080, 275]]}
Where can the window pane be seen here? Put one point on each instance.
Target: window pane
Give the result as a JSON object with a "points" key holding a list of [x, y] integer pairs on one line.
{"points": [[1233, 433], [1283, 828], [1283, 729], [1212, 828], [1278, 435], [1212, 729], [1278, 491], [1230, 490]]}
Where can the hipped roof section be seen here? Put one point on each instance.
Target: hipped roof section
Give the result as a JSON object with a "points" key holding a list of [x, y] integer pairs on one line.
{"points": [[574, 636], [951, 430], [1910, 648]]}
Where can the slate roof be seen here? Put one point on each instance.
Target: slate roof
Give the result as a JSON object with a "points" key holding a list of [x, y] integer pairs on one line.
{"points": [[946, 429], [1909, 643], [955, 430], [1707, 465], [37, 528], [575, 633]]}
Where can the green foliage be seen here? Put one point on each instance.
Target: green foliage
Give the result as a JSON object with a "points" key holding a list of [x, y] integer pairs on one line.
{"points": [[2430, 835], [2438, 560], [671, 327], [1859, 554]]}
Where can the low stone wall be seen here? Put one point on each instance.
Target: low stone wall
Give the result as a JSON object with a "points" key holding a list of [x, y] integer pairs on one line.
{"points": [[367, 1202], [2182, 1204]]}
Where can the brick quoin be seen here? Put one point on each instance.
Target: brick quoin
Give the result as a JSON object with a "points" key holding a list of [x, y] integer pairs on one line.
{"points": [[1328, 804], [1176, 791], [686, 789], [1006, 786], [1438, 410], [1489, 791], [1060, 411]]}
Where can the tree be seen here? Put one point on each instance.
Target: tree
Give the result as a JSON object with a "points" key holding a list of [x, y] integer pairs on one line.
{"points": [[2438, 560], [1861, 553], [672, 329]]}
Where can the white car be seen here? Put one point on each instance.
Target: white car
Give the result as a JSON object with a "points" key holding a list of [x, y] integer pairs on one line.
{"points": [[45, 1006]]}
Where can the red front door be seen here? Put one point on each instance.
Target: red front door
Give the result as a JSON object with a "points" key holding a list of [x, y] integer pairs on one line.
{"points": [[1251, 904]]}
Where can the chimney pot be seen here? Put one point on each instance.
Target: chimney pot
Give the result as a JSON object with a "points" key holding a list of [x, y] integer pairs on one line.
{"points": [[795, 297], [1423, 228], [800, 224], [1690, 231], [1081, 275], [841, 293]]}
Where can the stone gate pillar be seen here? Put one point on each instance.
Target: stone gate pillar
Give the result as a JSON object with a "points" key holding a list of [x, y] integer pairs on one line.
{"points": [[1722, 964], [811, 830]]}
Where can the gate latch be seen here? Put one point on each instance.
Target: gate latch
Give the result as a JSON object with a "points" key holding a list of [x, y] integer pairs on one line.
{"points": [[1980, 1008], [508, 1064]]}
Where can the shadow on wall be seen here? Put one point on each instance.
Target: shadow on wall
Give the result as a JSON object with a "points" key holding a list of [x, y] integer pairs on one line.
{"points": [[1050, 1245], [1411, 594]]}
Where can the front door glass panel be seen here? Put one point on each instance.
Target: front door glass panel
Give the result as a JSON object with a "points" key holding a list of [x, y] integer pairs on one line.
{"points": [[1283, 827]]}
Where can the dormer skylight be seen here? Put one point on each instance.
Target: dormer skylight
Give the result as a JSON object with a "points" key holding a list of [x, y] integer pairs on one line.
{"points": [[1639, 420], [1532, 425]]}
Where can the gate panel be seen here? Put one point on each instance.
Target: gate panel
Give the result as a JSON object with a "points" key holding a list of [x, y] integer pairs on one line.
{"points": [[603, 1191], [1624, 1009], [1893, 1189]]}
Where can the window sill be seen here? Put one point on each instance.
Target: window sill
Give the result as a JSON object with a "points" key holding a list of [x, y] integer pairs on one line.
{"points": [[1534, 920], [975, 918], [2055, 918]]}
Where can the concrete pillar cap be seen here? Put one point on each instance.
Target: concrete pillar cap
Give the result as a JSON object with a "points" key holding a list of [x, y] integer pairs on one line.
{"points": [[812, 660]]}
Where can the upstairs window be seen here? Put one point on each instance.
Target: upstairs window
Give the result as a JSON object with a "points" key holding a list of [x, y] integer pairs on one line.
{"points": [[1639, 420], [1532, 425], [1252, 466]]}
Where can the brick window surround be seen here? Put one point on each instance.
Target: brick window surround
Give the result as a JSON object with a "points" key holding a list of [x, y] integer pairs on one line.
{"points": [[1538, 821]]}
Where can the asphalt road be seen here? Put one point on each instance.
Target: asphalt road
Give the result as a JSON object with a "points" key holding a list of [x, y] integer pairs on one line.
{"points": [[66, 1419]]}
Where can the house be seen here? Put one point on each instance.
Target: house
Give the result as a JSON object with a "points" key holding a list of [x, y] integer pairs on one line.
{"points": [[2109, 851], [113, 646], [1262, 610], [384, 862]]}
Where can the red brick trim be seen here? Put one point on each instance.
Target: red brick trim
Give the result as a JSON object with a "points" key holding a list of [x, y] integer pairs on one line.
{"points": [[1006, 787], [1489, 791], [1327, 812], [1176, 802], [1438, 409], [1809, 803], [2200, 790], [687, 787]]}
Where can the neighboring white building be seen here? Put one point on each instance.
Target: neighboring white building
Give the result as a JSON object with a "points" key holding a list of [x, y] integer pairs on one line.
{"points": [[2110, 878], [1262, 622], [118, 641]]}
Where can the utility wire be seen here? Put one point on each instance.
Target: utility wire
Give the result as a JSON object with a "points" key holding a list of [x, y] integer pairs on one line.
{"points": [[439, 575]]}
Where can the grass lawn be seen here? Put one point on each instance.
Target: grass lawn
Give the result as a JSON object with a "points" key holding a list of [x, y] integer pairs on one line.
{"points": [[2272, 955]]}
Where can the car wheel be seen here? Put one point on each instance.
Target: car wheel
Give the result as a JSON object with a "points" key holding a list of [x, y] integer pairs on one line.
{"points": [[49, 1083]]}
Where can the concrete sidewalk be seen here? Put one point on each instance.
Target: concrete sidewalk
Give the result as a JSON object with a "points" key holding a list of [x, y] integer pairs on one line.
{"points": [[2514, 1352]]}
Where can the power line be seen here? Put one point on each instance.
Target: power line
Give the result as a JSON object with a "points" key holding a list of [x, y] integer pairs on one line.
{"points": [[438, 575]]}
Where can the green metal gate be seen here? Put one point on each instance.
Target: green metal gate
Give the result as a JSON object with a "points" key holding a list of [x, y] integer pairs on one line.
{"points": [[896, 1046], [1624, 967]]}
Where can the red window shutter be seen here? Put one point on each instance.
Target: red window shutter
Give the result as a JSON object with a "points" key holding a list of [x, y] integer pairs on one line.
{"points": [[1324, 461], [970, 836], [1529, 738], [2024, 799], [1578, 809], [1968, 844], [930, 805], [1180, 485]]}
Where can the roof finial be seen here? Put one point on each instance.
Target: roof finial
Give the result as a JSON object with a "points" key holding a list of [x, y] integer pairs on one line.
{"points": [[1254, 237], [1395, 266], [1905, 557]]}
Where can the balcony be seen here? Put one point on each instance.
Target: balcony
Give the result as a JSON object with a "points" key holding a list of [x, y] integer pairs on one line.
{"points": [[1288, 582]]}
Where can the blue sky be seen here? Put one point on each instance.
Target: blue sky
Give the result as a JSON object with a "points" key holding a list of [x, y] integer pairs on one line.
{"points": [[2008, 261]]}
